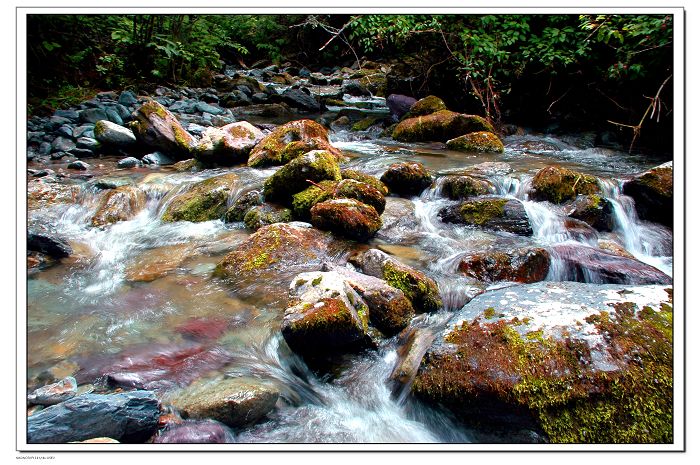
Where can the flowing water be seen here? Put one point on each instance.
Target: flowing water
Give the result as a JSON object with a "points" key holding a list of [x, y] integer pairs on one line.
{"points": [[101, 306]]}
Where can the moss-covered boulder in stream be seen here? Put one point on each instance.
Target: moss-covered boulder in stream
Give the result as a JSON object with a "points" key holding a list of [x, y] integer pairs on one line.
{"points": [[204, 201], [299, 174], [653, 194], [120, 204], [228, 145], [366, 178], [593, 209], [263, 215], [425, 106], [571, 362], [241, 204], [462, 187], [156, 127], [289, 141], [407, 178], [492, 213], [421, 290], [324, 316], [557, 184], [347, 218], [439, 126], [481, 141]]}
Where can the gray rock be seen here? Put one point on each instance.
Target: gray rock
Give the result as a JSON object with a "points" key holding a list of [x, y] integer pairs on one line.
{"points": [[196, 432], [52, 246], [87, 143], [113, 116], [35, 136], [44, 148], [86, 130], [157, 158], [93, 115], [128, 98], [110, 133], [72, 115], [301, 100], [128, 162], [130, 417], [58, 155], [55, 393], [78, 165], [204, 107], [65, 131], [82, 153], [62, 144]]}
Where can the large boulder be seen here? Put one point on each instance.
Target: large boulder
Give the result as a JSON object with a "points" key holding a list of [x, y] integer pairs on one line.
{"points": [[572, 362], [289, 141], [262, 215], [120, 204], [481, 141], [324, 315], [593, 209], [233, 401], [421, 290], [439, 126], [492, 213], [557, 184], [653, 194], [523, 265], [365, 178], [347, 218], [399, 105], [588, 264], [345, 189], [426, 106], [301, 99], [312, 167], [228, 145], [155, 126], [462, 187], [129, 417], [205, 200], [407, 178], [109, 133]]}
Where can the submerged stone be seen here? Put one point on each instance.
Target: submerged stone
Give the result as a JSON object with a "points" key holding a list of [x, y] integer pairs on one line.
{"points": [[120, 204]]}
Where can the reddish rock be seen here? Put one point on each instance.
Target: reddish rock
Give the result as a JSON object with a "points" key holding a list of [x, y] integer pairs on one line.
{"points": [[525, 265], [407, 178], [346, 217]]}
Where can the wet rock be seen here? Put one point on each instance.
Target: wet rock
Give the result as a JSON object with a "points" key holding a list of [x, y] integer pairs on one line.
{"points": [[190, 165], [109, 133], [289, 141], [196, 432], [365, 178], [156, 158], [324, 315], [156, 263], [42, 194], [399, 220], [62, 144], [128, 162], [233, 401], [524, 265], [347, 218], [462, 187], [587, 264], [203, 329], [426, 106], [156, 127], [298, 98], [87, 143], [265, 110], [277, 247], [412, 345], [481, 141], [119, 204], [422, 291], [312, 167], [407, 178], [593, 209], [580, 230], [439, 126], [204, 107], [203, 201], [303, 201], [557, 184], [492, 213], [345, 189], [129, 417], [127, 98], [262, 215], [399, 105], [53, 246], [228, 145], [93, 115], [242, 204], [613, 248], [574, 361], [97, 441], [54, 393], [653, 194]]}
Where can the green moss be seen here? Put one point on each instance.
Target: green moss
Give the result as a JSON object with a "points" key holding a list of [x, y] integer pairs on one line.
{"points": [[204, 201], [659, 180], [365, 178], [300, 282], [481, 141], [317, 281], [489, 313], [480, 211], [461, 187], [425, 106], [304, 200], [100, 128], [557, 184], [418, 288], [365, 123]]}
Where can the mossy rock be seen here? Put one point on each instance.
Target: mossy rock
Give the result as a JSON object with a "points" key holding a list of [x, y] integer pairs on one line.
{"points": [[595, 210], [407, 178], [653, 194], [365, 178], [557, 184], [328, 190], [304, 200], [421, 290], [299, 174], [462, 187], [347, 218], [120, 204], [492, 213], [524, 265], [263, 215], [482, 141], [526, 370], [439, 126], [155, 126], [365, 123], [189, 165], [276, 247], [242, 204], [425, 106], [204, 201], [289, 141]]}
